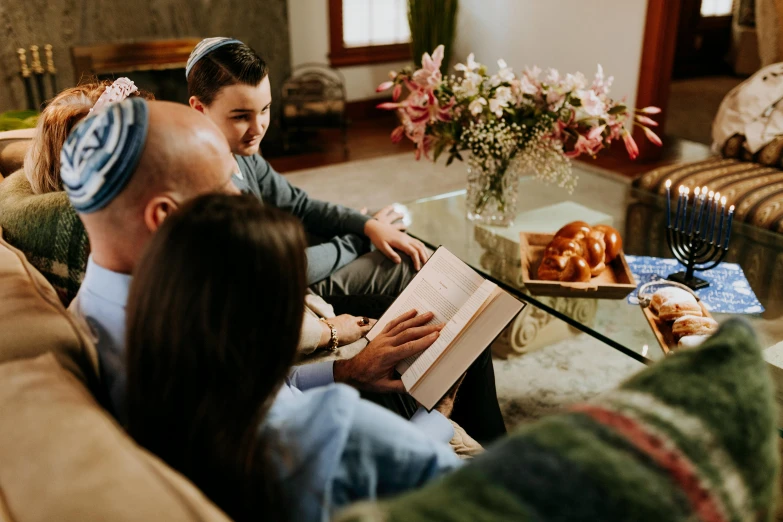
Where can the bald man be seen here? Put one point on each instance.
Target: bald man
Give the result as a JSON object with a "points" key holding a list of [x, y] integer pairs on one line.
{"points": [[125, 170]]}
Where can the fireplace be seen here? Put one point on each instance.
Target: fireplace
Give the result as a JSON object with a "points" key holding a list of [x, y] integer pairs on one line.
{"points": [[157, 66]]}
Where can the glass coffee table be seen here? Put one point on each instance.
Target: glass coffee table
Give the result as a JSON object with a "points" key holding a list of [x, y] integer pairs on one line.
{"points": [[600, 197]]}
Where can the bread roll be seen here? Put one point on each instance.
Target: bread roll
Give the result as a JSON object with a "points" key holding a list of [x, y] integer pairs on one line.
{"points": [[692, 341], [593, 252], [570, 269], [574, 230], [613, 243], [562, 246], [694, 325], [665, 294]]}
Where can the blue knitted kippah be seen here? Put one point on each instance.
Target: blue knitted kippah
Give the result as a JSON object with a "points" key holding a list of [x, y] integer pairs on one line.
{"points": [[100, 155], [204, 47]]}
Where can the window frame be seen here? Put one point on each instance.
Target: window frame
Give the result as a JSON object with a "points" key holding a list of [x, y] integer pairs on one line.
{"points": [[342, 56]]}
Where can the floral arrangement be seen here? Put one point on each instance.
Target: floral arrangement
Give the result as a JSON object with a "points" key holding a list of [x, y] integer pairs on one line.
{"points": [[537, 119]]}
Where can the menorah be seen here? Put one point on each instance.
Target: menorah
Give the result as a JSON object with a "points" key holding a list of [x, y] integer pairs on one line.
{"points": [[692, 238]]}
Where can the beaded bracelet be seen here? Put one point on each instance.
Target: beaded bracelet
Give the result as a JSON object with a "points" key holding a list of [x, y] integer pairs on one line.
{"points": [[334, 341]]}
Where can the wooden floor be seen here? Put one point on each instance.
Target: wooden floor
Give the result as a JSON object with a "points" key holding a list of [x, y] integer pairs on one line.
{"points": [[371, 138]]}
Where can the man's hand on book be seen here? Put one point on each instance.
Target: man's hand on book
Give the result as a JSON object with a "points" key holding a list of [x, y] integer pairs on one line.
{"points": [[446, 405], [386, 238], [372, 369]]}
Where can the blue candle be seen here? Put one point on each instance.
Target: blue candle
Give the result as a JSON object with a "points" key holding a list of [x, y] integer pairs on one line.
{"points": [[668, 203], [685, 197], [696, 206], [728, 227], [714, 215], [707, 221], [720, 226], [679, 206]]}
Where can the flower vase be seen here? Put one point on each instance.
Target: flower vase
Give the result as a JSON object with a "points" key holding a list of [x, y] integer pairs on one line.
{"points": [[492, 195]]}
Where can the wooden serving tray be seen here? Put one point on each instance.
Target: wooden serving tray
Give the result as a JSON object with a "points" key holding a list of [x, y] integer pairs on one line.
{"points": [[663, 329], [615, 282]]}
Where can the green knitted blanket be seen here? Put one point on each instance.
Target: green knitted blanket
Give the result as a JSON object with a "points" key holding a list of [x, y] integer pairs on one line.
{"points": [[46, 228], [692, 438]]}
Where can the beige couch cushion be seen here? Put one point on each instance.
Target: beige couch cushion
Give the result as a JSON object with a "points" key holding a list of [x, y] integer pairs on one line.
{"points": [[33, 320], [63, 458], [13, 147]]}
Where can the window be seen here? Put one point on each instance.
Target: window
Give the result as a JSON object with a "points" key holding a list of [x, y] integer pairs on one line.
{"points": [[716, 7], [368, 31]]}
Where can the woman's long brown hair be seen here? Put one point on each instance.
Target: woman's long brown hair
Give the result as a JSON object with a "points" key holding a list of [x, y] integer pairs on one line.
{"points": [[213, 320]]}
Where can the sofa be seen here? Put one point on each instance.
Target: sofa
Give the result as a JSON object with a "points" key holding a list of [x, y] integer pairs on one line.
{"points": [[45, 227]]}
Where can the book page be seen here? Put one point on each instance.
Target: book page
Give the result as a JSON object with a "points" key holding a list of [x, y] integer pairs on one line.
{"points": [[463, 351], [442, 287], [412, 369]]}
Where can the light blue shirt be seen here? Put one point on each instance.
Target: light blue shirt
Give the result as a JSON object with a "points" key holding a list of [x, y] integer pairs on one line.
{"points": [[360, 451], [309, 411]]}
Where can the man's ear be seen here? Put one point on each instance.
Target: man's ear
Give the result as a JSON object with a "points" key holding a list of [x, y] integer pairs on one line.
{"points": [[196, 104], [157, 210]]}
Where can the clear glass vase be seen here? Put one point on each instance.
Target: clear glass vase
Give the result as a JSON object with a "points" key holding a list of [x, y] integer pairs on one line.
{"points": [[492, 194]]}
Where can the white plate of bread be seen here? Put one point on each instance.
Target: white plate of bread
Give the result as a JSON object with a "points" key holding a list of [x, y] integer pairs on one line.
{"points": [[676, 315], [576, 261]]}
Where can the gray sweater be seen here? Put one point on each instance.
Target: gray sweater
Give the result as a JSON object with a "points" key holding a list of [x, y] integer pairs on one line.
{"points": [[343, 225]]}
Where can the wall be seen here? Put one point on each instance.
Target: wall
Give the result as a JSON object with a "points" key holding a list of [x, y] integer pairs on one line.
{"points": [[569, 35], [309, 28], [65, 23]]}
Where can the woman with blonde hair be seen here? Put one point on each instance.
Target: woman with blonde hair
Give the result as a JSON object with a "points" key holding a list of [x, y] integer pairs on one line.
{"points": [[64, 111]]}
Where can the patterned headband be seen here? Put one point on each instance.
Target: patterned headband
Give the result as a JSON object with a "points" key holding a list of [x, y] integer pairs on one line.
{"points": [[204, 47], [102, 152], [116, 92]]}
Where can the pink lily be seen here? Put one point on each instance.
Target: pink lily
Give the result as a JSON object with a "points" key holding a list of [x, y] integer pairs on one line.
{"points": [[630, 145], [429, 74], [596, 132], [646, 121], [397, 92], [397, 134], [652, 136], [384, 86], [650, 110], [388, 106]]}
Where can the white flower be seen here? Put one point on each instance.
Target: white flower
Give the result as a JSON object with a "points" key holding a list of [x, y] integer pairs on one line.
{"points": [[552, 77], [504, 73], [574, 82], [591, 103], [503, 95], [533, 73], [476, 107], [470, 66], [526, 86]]}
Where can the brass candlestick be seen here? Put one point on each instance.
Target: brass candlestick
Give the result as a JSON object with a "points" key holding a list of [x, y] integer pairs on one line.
{"points": [[38, 72], [50, 67], [24, 71]]}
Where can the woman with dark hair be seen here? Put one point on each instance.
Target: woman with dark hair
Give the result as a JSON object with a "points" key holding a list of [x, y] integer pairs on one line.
{"points": [[211, 336], [229, 83]]}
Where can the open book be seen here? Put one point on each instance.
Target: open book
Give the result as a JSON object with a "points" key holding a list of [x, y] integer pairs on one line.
{"points": [[475, 312]]}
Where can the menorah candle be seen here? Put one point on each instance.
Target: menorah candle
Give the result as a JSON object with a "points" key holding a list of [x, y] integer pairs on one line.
{"points": [[714, 216], [708, 216], [722, 213], [695, 208], [728, 227], [668, 203], [685, 197], [680, 189]]}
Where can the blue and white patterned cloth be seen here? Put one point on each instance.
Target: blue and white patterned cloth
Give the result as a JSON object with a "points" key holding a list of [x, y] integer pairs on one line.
{"points": [[204, 47], [729, 291], [101, 154]]}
